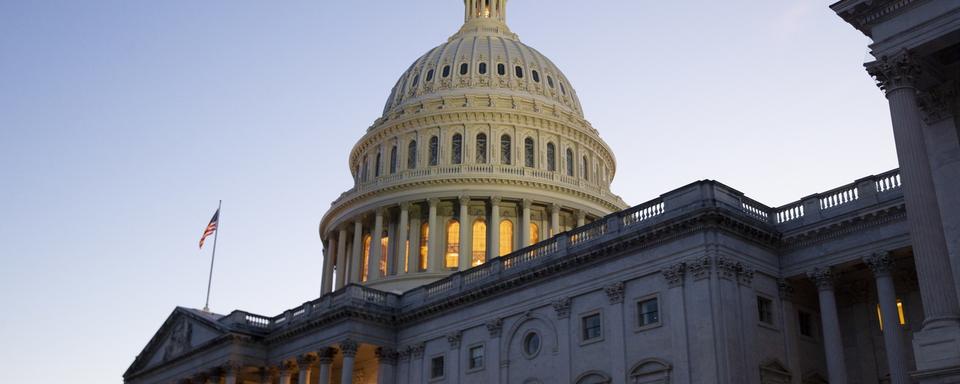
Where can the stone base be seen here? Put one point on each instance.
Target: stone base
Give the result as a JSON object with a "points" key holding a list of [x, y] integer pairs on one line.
{"points": [[937, 351]]}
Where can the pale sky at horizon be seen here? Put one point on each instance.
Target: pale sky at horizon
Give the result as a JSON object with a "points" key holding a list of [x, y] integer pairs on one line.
{"points": [[123, 122]]}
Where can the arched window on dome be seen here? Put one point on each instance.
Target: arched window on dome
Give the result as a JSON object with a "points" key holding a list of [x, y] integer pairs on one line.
{"points": [[434, 150], [584, 168], [430, 75], [563, 89], [416, 81], [479, 242], [506, 237], [456, 147], [506, 147], [519, 72], [446, 71], [529, 152], [482, 68], [464, 69], [364, 261], [451, 259], [569, 162], [536, 75], [550, 81], [376, 169], [534, 233], [481, 148], [424, 245], [393, 160], [501, 69], [412, 155], [551, 157], [365, 173]]}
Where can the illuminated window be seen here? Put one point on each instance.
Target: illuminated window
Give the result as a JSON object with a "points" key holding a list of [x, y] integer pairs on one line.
{"points": [[479, 242], [412, 155], [384, 247], [551, 157], [529, 152], [506, 237], [506, 147], [364, 261], [456, 145], [424, 245], [534, 233], [406, 256], [482, 148], [903, 320], [452, 259]]}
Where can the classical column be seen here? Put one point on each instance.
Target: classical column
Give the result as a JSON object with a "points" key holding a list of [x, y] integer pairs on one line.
{"points": [[386, 365], [466, 233], [286, 370], [936, 345], [493, 228], [376, 248], [403, 241], [677, 314], [267, 374], [326, 359], [215, 375], [200, 378], [492, 353], [342, 258], [554, 219], [304, 362], [525, 223], [435, 263], [882, 266], [329, 255], [788, 319], [452, 365], [356, 270], [615, 294], [832, 340], [581, 218], [231, 370], [417, 363], [415, 225], [349, 349]]}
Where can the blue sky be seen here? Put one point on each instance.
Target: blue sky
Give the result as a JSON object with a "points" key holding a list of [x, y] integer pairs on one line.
{"points": [[123, 122]]}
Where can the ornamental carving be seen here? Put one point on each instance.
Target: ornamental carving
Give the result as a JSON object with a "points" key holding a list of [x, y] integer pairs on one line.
{"points": [[287, 367], [615, 292], [726, 268], [674, 274], [454, 339], [326, 355], [744, 275], [494, 327], [386, 355], [881, 263], [700, 268], [417, 350], [305, 361], [892, 73], [349, 348], [562, 307], [822, 278], [231, 367], [938, 103]]}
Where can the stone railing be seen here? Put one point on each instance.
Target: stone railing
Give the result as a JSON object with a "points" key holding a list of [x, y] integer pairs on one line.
{"points": [[863, 193]]}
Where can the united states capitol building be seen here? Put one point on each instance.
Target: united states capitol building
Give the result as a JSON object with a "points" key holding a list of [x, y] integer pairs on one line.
{"points": [[481, 243]]}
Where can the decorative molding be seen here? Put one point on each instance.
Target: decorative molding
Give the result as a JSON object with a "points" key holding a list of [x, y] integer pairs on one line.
{"points": [[822, 278], [938, 103], [726, 268], [700, 268], [386, 355], [417, 350], [674, 274], [454, 339], [745, 274], [892, 73], [615, 292], [348, 347], [326, 355], [305, 361], [495, 326], [880, 263], [562, 307], [287, 367]]}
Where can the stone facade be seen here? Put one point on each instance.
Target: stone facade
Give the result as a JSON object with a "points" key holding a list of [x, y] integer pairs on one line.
{"points": [[700, 285]]}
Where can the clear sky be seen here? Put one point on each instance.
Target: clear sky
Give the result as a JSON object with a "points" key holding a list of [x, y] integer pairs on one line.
{"points": [[123, 122]]}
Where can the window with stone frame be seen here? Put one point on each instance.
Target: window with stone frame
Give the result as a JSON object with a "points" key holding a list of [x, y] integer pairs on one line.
{"points": [[412, 155], [456, 147], [436, 367], [434, 150], [452, 256], [591, 327], [376, 167], [481, 148], [569, 158], [648, 312], [393, 160], [365, 174], [476, 357], [805, 323], [506, 147], [765, 310], [529, 152], [551, 157]]}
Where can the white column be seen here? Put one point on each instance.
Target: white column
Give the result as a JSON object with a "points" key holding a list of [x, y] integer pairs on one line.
{"points": [[493, 229], [326, 273], [677, 314], [304, 362], [231, 369], [435, 263], [414, 234], [342, 258], [349, 349], [882, 266], [788, 320], [286, 370], [404, 253], [386, 365], [466, 233], [356, 269], [376, 249], [615, 293], [525, 223], [267, 374], [832, 340], [492, 350], [581, 218], [416, 363], [326, 359], [554, 219]]}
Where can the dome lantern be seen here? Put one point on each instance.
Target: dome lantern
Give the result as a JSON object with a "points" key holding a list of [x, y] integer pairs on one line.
{"points": [[485, 10]]}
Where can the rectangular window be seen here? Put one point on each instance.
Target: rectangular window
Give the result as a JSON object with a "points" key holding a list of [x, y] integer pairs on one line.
{"points": [[648, 312], [476, 357], [902, 319], [765, 310], [805, 323], [591, 326], [436, 367]]}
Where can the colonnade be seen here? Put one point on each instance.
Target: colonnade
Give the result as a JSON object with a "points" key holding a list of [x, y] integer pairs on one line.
{"points": [[437, 235]]}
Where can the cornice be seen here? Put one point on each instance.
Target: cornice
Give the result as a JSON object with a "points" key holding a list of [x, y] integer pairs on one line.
{"points": [[833, 229], [863, 14], [229, 338]]}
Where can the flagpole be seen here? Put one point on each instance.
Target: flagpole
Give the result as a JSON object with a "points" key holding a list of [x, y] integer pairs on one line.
{"points": [[206, 305]]}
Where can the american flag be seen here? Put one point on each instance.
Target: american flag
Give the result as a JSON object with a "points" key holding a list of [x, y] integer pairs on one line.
{"points": [[211, 228]]}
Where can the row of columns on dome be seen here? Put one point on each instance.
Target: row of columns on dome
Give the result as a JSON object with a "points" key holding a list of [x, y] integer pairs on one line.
{"points": [[327, 365], [438, 235]]}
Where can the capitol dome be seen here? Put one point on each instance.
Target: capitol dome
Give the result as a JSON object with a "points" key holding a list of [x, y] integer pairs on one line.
{"points": [[482, 149]]}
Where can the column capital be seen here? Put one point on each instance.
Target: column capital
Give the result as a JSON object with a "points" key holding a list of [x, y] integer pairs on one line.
{"points": [[894, 72], [463, 199], [880, 263], [232, 367], [405, 206], [305, 361], [700, 268], [269, 372], [349, 348], [822, 278], [937, 103], [494, 327], [454, 339], [433, 201], [785, 289], [496, 199], [554, 208], [615, 292], [287, 367], [674, 274], [525, 203], [562, 307], [581, 214], [386, 355], [745, 274], [416, 350]]}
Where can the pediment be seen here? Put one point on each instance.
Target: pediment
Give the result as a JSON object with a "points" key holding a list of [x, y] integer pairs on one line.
{"points": [[183, 331]]}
